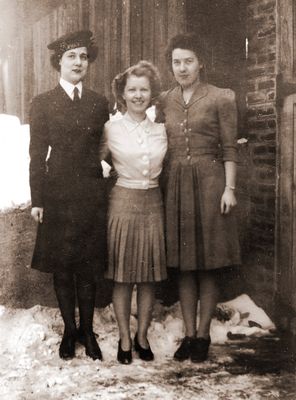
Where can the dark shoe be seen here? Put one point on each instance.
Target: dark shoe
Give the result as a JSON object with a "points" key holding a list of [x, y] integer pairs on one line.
{"points": [[144, 354], [67, 347], [92, 349], [124, 357], [184, 350], [199, 349]]}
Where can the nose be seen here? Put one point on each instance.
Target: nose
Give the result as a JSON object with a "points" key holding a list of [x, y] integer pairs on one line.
{"points": [[182, 66], [138, 94], [78, 60]]}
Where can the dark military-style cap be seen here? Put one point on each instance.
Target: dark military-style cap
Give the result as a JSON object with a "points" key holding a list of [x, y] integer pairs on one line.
{"points": [[72, 41]]}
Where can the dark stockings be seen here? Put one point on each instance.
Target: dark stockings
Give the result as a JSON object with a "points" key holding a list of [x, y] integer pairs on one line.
{"points": [[86, 292], [64, 285]]}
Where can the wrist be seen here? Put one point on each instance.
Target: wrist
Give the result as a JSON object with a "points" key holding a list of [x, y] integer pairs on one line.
{"points": [[230, 187]]}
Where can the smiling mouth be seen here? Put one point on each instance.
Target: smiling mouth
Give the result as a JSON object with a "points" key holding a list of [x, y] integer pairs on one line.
{"points": [[76, 70]]}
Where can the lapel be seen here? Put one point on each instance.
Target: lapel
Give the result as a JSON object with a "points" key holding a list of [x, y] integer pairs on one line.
{"points": [[71, 116], [60, 98], [200, 92]]}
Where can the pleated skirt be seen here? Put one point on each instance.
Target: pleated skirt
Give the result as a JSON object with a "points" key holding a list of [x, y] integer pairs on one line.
{"points": [[136, 243]]}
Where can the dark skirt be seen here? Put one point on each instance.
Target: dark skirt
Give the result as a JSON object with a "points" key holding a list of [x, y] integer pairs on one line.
{"points": [[72, 237], [136, 245], [198, 236]]}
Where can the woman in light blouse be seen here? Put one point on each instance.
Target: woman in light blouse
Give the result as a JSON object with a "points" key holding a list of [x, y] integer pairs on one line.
{"points": [[135, 220]]}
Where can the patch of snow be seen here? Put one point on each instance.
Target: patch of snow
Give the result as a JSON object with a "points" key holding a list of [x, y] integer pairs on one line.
{"points": [[30, 367]]}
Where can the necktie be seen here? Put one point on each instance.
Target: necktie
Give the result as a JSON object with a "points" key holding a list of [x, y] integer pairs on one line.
{"points": [[76, 97]]}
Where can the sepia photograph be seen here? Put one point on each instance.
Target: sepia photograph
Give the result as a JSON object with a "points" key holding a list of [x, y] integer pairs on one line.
{"points": [[148, 199]]}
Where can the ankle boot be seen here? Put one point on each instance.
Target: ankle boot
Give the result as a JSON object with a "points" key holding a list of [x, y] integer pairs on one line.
{"points": [[67, 346], [86, 302]]}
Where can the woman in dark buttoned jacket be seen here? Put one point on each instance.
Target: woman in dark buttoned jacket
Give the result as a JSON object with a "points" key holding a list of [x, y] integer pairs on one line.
{"points": [[66, 191], [199, 176]]}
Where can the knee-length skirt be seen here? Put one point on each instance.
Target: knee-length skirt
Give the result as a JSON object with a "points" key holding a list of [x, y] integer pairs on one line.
{"points": [[136, 243], [72, 237], [198, 236]]}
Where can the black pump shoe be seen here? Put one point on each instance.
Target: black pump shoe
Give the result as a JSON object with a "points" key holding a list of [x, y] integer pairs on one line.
{"points": [[124, 357], [67, 347], [144, 354], [184, 350], [92, 349], [200, 349]]}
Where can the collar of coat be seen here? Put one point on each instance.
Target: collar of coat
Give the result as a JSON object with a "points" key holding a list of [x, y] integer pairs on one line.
{"points": [[200, 91]]}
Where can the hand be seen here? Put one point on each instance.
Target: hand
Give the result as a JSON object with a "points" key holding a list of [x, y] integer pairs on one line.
{"points": [[228, 201], [37, 214]]}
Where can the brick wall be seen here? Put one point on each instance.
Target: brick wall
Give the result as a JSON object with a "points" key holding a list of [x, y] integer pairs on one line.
{"points": [[261, 133]]}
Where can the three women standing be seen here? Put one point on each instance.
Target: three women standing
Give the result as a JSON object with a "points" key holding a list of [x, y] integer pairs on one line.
{"points": [[135, 219], [200, 172]]}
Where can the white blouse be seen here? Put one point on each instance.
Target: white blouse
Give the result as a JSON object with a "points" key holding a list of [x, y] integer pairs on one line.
{"points": [[137, 150]]}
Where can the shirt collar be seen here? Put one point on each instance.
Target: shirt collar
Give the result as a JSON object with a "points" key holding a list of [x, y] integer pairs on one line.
{"points": [[69, 87], [131, 124]]}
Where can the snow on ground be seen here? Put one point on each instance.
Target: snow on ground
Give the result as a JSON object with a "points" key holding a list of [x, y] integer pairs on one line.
{"points": [[14, 162], [30, 367]]}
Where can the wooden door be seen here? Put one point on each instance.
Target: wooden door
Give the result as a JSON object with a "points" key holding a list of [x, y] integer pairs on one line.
{"points": [[286, 185]]}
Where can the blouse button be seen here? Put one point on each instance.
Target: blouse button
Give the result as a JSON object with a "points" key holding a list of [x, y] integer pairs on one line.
{"points": [[140, 140], [145, 158], [188, 157], [188, 150], [185, 130], [145, 172], [187, 140]]}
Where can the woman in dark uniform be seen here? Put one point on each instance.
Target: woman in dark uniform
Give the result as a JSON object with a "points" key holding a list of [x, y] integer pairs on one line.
{"points": [[68, 202], [200, 172]]}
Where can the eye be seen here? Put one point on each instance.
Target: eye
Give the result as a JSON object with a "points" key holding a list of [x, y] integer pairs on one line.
{"points": [[84, 57]]}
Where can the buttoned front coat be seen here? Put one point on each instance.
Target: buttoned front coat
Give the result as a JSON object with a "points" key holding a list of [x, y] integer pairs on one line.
{"points": [[202, 135], [66, 180]]}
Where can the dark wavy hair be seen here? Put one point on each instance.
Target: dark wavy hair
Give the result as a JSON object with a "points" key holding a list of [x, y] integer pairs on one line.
{"points": [[142, 68], [188, 41], [92, 52]]}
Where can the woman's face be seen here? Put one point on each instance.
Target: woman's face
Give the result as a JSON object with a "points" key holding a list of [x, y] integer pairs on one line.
{"points": [[186, 67], [74, 65], [137, 94]]}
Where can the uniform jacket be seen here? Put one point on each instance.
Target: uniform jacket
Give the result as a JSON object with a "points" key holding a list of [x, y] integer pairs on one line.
{"points": [[73, 136]]}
